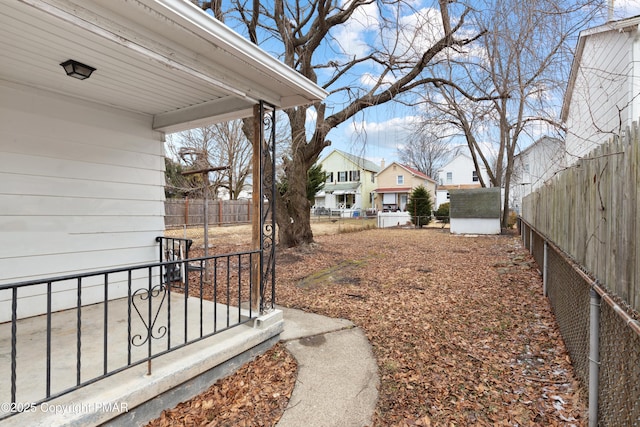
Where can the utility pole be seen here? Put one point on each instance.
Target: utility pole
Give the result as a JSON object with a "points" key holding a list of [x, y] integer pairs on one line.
{"points": [[205, 180]]}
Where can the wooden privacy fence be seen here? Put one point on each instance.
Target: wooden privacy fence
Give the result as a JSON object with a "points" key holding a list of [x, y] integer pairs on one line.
{"points": [[590, 211], [180, 212]]}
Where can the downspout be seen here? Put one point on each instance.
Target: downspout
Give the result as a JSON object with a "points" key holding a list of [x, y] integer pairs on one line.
{"points": [[594, 356]]}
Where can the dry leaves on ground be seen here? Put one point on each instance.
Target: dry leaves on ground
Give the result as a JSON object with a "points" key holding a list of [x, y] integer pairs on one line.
{"points": [[255, 395], [458, 325]]}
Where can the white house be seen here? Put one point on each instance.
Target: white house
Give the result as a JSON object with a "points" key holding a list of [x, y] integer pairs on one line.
{"points": [[350, 181], [458, 173], [82, 161], [602, 93], [534, 166], [82, 170]]}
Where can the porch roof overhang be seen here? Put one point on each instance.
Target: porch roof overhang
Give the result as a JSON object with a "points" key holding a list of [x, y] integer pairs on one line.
{"points": [[164, 58], [393, 190], [339, 189]]}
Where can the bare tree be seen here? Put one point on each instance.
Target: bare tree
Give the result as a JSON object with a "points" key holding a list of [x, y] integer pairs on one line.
{"points": [[517, 71], [397, 63], [222, 144], [425, 150]]}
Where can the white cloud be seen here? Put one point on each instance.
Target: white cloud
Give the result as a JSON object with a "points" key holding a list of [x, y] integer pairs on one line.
{"points": [[369, 80], [418, 32], [390, 133], [312, 115], [351, 37], [626, 8]]}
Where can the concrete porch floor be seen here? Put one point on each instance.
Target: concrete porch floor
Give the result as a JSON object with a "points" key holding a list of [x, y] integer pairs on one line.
{"points": [[131, 395]]}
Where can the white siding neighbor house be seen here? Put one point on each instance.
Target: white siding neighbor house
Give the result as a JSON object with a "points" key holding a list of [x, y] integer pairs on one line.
{"points": [[458, 173], [81, 189], [602, 94], [535, 165]]}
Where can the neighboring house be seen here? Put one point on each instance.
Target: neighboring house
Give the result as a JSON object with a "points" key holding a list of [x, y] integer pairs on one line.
{"points": [[350, 181], [458, 173], [603, 93], [82, 184], [534, 166], [395, 184]]}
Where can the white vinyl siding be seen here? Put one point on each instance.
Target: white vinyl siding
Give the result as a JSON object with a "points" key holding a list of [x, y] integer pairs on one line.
{"points": [[81, 187], [601, 99]]}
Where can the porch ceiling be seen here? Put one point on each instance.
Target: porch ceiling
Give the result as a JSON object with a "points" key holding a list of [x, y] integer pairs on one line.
{"points": [[165, 58]]}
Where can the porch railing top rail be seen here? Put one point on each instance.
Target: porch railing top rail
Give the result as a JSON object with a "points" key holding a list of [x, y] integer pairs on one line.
{"points": [[92, 273]]}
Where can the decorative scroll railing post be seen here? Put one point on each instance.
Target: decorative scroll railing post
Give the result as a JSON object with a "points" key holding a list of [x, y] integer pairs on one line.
{"points": [[137, 301], [268, 190]]}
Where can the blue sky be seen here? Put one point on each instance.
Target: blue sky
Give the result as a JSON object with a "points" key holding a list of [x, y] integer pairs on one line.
{"points": [[378, 132]]}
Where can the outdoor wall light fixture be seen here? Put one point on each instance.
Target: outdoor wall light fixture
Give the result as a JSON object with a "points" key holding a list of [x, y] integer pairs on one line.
{"points": [[77, 69]]}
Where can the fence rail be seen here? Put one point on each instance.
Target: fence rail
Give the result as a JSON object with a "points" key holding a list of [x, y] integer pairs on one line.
{"points": [[601, 335], [169, 304], [181, 212]]}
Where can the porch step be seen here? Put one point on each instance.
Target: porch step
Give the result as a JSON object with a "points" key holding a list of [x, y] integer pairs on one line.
{"points": [[133, 398]]}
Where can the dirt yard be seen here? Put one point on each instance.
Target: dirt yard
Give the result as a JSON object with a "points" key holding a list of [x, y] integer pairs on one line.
{"points": [[240, 235], [458, 325]]}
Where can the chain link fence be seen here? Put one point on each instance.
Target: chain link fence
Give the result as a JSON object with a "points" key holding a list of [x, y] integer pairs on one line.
{"points": [[570, 299], [617, 334], [619, 391]]}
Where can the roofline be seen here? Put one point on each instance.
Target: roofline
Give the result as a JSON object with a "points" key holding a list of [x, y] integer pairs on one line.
{"points": [[201, 23], [405, 167], [346, 156], [455, 157], [539, 140]]}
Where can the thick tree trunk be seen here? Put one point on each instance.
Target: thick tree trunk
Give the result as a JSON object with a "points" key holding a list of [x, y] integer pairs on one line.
{"points": [[293, 210], [294, 224]]}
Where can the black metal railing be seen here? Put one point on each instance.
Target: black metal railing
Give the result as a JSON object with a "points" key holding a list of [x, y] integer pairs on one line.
{"points": [[100, 323]]}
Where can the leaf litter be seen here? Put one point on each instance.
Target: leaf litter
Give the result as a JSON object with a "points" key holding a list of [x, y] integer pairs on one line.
{"points": [[458, 325]]}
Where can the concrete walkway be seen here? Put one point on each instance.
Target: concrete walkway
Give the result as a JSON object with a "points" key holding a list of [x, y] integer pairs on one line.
{"points": [[337, 382]]}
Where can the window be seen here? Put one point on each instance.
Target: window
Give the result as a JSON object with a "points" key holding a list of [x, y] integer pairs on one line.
{"points": [[389, 198], [342, 176], [475, 176], [526, 168], [449, 177], [354, 175], [400, 179], [329, 176]]}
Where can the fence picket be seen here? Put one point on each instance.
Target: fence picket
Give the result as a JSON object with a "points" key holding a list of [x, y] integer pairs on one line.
{"points": [[180, 212], [591, 211]]}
